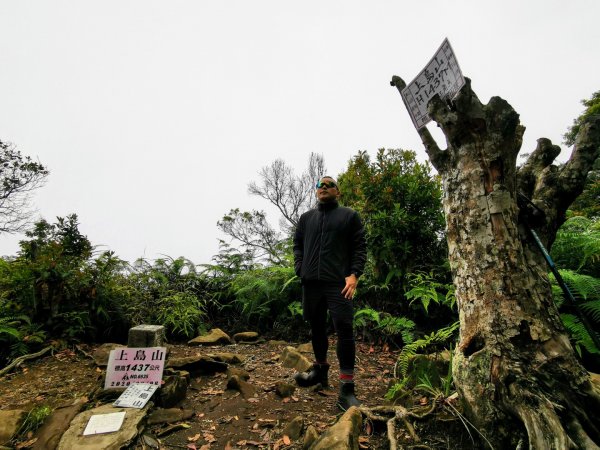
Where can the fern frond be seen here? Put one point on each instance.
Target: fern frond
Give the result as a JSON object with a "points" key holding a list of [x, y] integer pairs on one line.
{"points": [[440, 336], [579, 334]]}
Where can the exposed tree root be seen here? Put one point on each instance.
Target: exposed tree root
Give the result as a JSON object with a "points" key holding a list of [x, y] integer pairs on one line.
{"points": [[18, 361], [400, 415]]}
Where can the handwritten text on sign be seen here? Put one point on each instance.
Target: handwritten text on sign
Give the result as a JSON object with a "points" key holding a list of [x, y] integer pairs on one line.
{"points": [[135, 365], [441, 76]]}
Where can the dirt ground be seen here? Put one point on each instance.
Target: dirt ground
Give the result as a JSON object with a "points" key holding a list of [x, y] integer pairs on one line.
{"points": [[222, 418]]}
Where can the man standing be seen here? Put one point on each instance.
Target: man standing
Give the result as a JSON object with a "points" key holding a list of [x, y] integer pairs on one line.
{"points": [[329, 256]]}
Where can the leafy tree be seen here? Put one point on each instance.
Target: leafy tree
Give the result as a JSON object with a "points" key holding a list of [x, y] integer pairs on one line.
{"points": [[19, 176], [400, 203], [592, 107], [251, 229], [292, 195], [55, 281], [588, 203]]}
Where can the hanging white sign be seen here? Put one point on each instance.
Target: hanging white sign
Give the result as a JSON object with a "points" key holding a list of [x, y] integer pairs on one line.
{"points": [[441, 75], [136, 395]]}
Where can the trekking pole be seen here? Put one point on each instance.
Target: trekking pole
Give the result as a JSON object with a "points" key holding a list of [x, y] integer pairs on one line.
{"points": [[568, 295]]}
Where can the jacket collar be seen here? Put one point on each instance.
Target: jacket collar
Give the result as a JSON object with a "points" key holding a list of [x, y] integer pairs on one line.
{"points": [[327, 206]]}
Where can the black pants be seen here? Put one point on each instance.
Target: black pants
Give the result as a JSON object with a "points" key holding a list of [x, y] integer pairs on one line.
{"points": [[318, 298]]}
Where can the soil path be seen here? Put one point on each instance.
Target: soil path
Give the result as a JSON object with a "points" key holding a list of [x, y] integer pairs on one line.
{"points": [[222, 418]]}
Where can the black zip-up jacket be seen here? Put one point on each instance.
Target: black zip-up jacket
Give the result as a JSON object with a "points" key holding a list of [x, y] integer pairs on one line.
{"points": [[329, 244]]}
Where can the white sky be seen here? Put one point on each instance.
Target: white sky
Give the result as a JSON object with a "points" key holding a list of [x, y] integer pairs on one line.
{"points": [[153, 116]]}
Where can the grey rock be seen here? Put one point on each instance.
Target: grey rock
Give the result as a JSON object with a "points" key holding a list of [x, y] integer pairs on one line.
{"points": [[246, 336], [174, 388], [245, 388], [293, 359], [102, 353], [273, 343], [169, 415], [229, 358], [10, 421], [197, 365], [73, 438], [305, 348], [310, 436], [241, 373], [49, 434], [293, 430], [284, 389], [216, 336], [343, 435]]}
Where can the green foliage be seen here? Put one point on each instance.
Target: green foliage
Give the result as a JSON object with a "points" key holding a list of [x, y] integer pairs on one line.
{"points": [[34, 419], [434, 340], [588, 202], [425, 289], [19, 176], [57, 283], [577, 246], [260, 241], [400, 203], [18, 336], [592, 107], [182, 314], [397, 390], [295, 309], [262, 296], [169, 292], [383, 326], [8, 328], [445, 383], [586, 291]]}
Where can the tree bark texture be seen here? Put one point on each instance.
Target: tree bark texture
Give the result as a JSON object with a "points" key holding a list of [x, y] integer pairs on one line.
{"points": [[514, 367]]}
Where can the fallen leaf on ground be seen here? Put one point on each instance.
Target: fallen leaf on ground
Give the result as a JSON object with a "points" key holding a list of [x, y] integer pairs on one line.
{"points": [[286, 439], [194, 438], [209, 438]]}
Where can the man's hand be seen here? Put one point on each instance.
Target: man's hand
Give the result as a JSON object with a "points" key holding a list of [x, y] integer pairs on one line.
{"points": [[350, 288]]}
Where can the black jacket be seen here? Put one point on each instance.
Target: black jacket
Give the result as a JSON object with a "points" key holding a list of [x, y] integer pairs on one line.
{"points": [[329, 244]]}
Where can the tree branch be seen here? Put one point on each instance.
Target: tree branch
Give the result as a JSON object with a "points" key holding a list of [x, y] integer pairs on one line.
{"points": [[437, 156]]}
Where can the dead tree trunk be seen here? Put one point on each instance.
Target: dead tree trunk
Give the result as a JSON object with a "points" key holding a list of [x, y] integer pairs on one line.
{"points": [[514, 367]]}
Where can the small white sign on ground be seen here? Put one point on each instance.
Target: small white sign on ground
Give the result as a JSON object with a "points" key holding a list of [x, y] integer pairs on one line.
{"points": [[127, 366], [442, 76], [136, 395], [104, 423]]}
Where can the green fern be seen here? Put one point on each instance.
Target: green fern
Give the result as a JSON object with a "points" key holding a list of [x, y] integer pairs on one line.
{"points": [[577, 245], [387, 325], [586, 291], [436, 338], [579, 334], [8, 326], [394, 326], [425, 289], [365, 316]]}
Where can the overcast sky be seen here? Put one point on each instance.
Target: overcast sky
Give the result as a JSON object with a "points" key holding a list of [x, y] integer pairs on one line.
{"points": [[153, 116]]}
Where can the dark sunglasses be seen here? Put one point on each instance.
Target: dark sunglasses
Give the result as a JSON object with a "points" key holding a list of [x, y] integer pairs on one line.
{"points": [[326, 184]]}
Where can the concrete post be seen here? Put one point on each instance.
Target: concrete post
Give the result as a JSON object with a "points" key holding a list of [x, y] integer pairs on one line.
{"points": [[146, 336]]}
